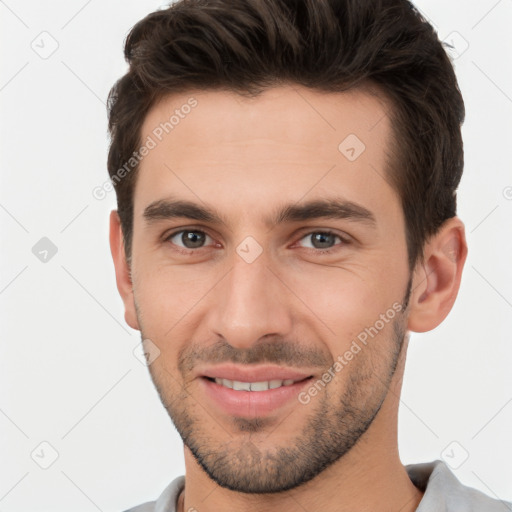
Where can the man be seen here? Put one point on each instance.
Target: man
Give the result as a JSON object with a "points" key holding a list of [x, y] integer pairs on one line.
{"points": [[285, 175]]}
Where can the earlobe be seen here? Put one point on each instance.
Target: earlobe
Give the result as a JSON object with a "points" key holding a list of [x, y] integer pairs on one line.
{"points": [[122, 269], [437, 279]]}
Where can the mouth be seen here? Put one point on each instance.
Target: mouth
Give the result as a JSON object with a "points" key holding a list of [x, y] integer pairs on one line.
{"points": [[265, 385], [252, 399]]}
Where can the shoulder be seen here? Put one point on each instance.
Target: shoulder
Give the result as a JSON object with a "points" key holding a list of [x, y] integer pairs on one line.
{"points": [[166, 501], [444, 493], [149, 506]]}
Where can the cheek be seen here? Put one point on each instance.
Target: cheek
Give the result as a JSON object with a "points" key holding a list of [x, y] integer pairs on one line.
{"points": [[349, 302], [166, 298]]}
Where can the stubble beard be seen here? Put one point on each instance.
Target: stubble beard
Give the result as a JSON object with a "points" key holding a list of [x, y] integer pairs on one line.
{"points": [[329, 433]]}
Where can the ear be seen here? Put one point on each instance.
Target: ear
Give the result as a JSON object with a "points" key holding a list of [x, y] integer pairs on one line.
{"points": [[123, 277], [436, 280]]}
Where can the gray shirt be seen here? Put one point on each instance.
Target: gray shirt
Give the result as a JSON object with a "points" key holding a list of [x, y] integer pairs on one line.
{"points": [[443, 493]]}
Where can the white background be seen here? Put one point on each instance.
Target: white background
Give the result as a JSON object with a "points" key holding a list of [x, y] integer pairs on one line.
{"points": [[68, 373]]}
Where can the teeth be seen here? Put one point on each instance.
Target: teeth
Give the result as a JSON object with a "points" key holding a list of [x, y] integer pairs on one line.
{"points": [[259, 386], [253, 386], [241, 386]]}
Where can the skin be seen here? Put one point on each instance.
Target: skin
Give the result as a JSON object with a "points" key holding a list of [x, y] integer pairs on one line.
{"points": [[247, 158]]}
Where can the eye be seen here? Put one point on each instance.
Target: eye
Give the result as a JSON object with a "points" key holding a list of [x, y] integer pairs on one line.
{"points": [[322, 240], [188, 238]]}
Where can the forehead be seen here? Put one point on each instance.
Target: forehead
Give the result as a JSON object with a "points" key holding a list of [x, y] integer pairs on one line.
{"points": [[285, 144]]}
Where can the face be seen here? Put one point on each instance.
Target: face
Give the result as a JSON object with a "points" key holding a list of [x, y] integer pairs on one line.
{"points": [[268, 248]]}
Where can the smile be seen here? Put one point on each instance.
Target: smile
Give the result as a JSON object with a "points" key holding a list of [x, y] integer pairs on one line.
{"points": [[254, 386]]}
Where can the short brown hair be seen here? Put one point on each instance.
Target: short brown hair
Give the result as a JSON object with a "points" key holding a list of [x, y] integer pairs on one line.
{"points": [[246, 46]]}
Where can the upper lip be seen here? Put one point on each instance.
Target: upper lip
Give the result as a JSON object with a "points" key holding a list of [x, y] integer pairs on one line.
{"points": [[252, 373]]}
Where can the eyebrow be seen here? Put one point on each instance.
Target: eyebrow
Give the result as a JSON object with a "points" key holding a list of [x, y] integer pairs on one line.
{"points": [[165, 209]]}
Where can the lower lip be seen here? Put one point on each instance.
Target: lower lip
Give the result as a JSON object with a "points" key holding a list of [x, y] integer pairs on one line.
{"points": [[250, 404]]}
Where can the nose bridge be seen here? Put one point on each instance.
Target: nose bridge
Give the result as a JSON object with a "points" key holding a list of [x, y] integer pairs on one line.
{"points": [[249, 304]]}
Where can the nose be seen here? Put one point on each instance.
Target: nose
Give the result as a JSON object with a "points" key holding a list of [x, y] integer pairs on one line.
{"points": [[249, 303]]}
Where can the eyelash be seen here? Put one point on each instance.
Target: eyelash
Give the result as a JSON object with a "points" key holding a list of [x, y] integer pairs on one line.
{"points": [[316, 251]]}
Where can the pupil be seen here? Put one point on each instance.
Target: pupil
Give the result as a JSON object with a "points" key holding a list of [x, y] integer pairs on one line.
{"points": [[192, 239], [322, 238]]}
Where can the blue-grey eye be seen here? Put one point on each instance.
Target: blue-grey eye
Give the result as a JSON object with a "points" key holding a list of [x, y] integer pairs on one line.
{"points": [[321, 240], [189, 239]]}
